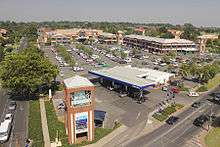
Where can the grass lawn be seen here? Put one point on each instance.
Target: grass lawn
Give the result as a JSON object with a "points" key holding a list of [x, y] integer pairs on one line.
{"points": [[213, 138], [213, 82], [167, 112], [54, 125], [34, 124]]}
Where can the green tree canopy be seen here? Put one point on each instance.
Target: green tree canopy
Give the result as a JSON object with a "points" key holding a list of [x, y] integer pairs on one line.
{"points": [[25, 71]]}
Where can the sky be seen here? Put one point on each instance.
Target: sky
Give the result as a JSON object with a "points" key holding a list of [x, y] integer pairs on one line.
{"points": [[197, 12]]}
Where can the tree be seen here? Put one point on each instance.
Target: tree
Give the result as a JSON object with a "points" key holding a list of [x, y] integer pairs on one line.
{"points": [[25, 71], [185, 70], [123, 54]]}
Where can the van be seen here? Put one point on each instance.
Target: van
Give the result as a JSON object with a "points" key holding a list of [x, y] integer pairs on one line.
{"points": [[5, 129]]}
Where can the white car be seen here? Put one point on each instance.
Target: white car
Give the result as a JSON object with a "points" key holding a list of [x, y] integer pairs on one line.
{"points": [[156, 63], [193, 94], [8, 117], [163, 64]]}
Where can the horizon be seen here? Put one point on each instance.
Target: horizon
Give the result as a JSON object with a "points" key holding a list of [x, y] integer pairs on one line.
{"points": [[197, 12]]}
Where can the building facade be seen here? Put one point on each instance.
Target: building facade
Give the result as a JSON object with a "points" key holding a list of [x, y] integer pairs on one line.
{"points": [[154, 44], [107, 38], [79, 117]]}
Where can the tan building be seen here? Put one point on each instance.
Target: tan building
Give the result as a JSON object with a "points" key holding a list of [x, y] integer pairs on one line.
{"points": [[80, 102], [202, 40], [107, 38], [3, 32], [45, 34], [154, 44]]}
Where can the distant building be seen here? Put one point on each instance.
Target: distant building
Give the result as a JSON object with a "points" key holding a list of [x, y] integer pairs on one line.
{"points": [[79, 117], [60, 39], [139, 31], [154, 44], [107, 38], [176, 33], [46, 34], [3, 32], [203, 39]]}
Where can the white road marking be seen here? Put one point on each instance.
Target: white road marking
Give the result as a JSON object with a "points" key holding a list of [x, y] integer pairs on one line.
{"points": [[138, 115]]}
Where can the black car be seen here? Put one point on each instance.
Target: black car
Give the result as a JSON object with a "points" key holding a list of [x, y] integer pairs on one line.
{"points": [[199, 121], [196, 104], [172, 119]]}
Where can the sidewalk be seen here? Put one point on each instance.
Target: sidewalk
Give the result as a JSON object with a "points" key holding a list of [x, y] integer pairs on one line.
{"points": [[109, 137], [44, 123]]}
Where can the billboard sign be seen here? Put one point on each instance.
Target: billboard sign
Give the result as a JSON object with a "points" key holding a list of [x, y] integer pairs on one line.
{"points": [[81, 120], [80, 98]]}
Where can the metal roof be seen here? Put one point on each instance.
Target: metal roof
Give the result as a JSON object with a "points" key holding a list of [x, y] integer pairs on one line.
{"points": [[160, 40], [77, 82], [136, 77]]}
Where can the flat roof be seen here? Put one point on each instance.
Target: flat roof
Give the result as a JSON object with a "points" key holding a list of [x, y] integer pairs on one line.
{"points": [[77, 82], [133, 76], [160, 40]]}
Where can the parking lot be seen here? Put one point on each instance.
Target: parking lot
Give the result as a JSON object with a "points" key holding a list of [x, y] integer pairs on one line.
{"points": [[126, 109]]}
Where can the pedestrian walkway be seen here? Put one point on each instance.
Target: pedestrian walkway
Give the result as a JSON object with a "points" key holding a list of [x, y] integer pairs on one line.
{"points": [[44, 123]]}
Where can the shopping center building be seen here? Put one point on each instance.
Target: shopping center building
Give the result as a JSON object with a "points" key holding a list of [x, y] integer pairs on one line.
{"points": [[154, 44]]}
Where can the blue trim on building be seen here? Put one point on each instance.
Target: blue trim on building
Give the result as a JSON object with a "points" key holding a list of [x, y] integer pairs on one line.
{"points": [[121, 82]]}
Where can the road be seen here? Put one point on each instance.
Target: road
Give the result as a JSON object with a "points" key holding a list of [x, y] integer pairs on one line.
{"points": [[178, 134], [19, 127]]}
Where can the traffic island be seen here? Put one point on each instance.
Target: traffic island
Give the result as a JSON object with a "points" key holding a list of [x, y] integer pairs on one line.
{"points": [[165, 113]]}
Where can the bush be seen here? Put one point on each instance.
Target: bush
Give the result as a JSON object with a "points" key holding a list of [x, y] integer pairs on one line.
{"points": [[202, 88], [167, 112]]}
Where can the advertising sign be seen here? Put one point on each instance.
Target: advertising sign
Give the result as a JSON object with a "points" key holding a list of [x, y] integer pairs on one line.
{"points": [[80, 98], [81, 122]]}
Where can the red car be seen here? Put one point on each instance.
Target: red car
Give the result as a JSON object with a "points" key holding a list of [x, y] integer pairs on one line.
{"points": [[175, 90]]}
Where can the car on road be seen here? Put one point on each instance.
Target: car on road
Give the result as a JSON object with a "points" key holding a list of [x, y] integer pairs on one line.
{"points": [[12, 106], [8, 117], [5, 130], [193, 94], [172, 120], [199, 121], [196, 104]]}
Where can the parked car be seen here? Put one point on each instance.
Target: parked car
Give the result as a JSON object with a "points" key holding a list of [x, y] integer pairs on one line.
{"points": [[175, 90], [217, 97], [123, 94], [61, 106], [196, 104], [199, 121], [165, 88], [12, 106], [172, 119], [193, 94]]}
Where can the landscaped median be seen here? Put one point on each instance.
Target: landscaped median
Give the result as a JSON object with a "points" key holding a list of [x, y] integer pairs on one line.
{"points": [[164, 114], [55, 125], [212, 139], [34, 124], [212, 83]]}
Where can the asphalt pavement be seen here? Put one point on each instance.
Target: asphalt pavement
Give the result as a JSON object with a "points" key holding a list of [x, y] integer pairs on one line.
{"points": [[178, 134]]}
